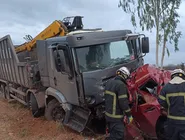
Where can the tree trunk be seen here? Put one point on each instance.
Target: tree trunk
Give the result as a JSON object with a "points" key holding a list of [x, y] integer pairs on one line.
{"points": [[157, 45], [157, 31], [163, 52]]}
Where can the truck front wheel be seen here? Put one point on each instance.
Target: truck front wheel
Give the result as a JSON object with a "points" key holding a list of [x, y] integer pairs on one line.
{"points": [[54, 111]]}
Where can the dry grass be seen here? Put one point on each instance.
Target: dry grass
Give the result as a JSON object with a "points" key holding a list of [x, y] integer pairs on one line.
{"points": [[16, 123], [16, 105], [23, 133]]}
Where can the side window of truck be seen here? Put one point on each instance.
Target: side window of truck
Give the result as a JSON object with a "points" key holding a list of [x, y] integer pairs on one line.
{"points": [[61, 61]]}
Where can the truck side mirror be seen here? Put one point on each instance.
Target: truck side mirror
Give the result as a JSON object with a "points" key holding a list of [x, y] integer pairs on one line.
{"points": [[63, 62], [59, 62], [145, 45]]}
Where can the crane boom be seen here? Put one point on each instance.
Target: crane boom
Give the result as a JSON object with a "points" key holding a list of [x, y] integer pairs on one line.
{"points": [[57, 28]]}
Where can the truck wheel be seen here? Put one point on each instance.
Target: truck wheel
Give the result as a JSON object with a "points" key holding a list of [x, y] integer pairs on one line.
{"points": [[2, 91], [161, 126], [36, 112], [54, 111]]}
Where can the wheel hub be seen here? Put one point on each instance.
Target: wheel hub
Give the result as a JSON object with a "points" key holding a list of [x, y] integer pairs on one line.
{"points": [[58, 114]]}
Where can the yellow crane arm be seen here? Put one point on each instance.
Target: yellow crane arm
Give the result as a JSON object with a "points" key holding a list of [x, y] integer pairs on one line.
{"points": [[57, 28]]}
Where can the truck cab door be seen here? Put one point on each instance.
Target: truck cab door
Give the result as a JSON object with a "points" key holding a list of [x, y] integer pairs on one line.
{"points": [[62, 75]]}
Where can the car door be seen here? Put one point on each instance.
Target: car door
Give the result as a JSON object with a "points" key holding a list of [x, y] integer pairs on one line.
{"points": [[146, 114]]}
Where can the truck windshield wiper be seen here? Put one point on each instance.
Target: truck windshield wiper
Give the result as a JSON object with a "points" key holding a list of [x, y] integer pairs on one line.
{"points": [[120, 62], [114, 64]]}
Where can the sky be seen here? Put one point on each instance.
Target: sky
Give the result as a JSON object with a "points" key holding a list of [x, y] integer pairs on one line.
{"points": [[21, 17]]}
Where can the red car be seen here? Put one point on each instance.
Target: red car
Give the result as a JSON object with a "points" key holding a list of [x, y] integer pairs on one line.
{"points": [[149, 119]]}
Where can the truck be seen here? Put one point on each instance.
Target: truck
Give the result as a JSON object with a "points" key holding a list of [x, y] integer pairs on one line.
{"points": [[65, 82]]}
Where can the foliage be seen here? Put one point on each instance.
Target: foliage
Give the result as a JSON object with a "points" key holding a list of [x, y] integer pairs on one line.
{"points": [[168, 26], [159, 14]]}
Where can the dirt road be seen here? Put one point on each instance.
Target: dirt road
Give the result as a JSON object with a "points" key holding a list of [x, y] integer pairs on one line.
{"points": [[16, 123]]}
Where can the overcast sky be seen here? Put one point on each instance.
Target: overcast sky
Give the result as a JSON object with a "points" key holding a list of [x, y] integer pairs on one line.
{"points": [[21, 17]]}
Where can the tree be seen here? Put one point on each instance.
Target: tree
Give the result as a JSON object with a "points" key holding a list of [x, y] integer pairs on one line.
{"points": [[158, 14], [182, 66], [168, 26]]}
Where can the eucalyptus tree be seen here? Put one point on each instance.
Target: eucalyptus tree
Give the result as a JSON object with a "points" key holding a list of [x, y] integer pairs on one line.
{"points": [[161, 15]]}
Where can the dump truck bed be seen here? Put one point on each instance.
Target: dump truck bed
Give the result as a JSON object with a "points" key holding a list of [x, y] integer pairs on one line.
{"points": [[11, 69]]}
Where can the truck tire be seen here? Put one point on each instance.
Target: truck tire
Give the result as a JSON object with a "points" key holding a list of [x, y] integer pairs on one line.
{"points": [[36, 111], [54, 111]]}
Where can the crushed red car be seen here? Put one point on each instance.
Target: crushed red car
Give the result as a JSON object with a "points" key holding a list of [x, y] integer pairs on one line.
{"points": [[145, 85]]}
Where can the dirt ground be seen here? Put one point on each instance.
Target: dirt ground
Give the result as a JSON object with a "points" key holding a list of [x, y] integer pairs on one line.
{"points": [[17, 123]]}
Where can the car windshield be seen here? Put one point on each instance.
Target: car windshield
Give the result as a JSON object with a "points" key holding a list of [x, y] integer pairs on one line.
{"points": [[105, 55]]}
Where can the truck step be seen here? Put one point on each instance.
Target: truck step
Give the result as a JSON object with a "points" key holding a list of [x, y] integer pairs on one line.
{"points": [[78, 119]]}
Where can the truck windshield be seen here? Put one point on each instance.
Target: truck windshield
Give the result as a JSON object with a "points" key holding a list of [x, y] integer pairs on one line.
{"points": [[105, 55]]}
